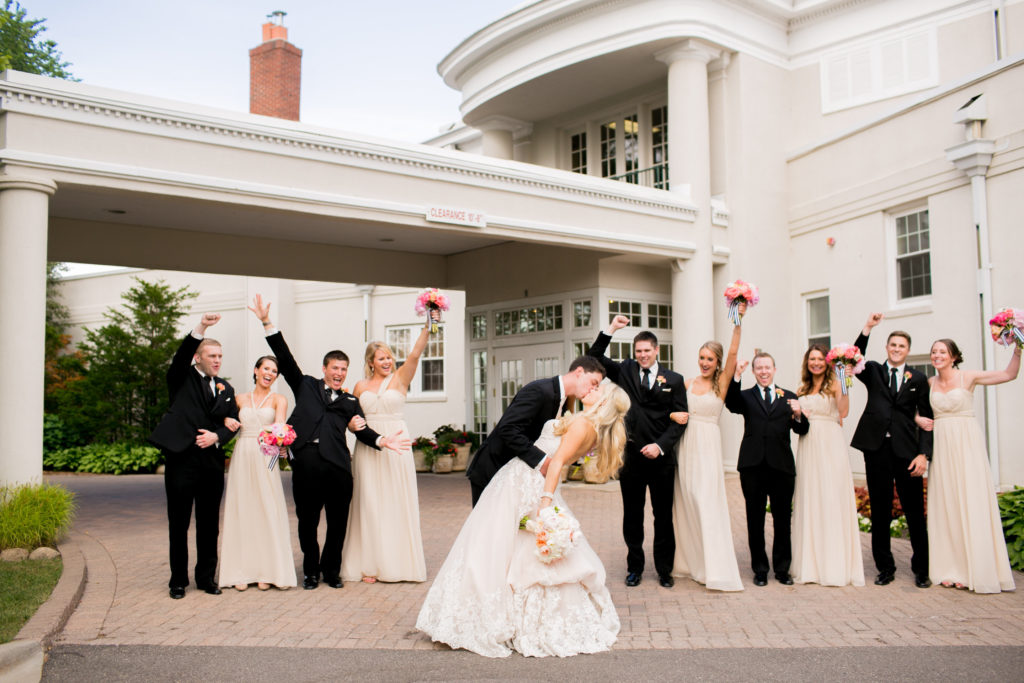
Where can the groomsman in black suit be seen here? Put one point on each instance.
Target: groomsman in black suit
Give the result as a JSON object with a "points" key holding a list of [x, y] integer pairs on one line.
{"points": [[521, 423], [895, 451], [322, 464], [766, 466], [190, 436], [650, 458]]}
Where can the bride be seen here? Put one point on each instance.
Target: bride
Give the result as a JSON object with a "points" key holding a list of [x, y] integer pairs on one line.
{"points": [[492, 595]]}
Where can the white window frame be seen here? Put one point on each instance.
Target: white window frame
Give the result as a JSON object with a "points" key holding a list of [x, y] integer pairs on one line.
{"points": [[416, 386], [807, 299], [892, 255]]}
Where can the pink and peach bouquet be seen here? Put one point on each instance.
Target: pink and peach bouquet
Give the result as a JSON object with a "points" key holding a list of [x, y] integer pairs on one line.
{"points": [[432, 299], [556, 533], [1007, 327], [839, 357], [273, 438], [740, 292]]}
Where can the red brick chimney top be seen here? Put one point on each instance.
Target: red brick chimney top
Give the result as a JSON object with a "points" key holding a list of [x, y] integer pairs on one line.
{"points": [[275, 72]]}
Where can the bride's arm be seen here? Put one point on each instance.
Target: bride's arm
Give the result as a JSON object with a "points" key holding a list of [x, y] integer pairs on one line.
{"points": [[575, 442], [280, 408]]}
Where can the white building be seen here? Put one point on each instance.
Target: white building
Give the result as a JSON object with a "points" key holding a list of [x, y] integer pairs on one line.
{"points": [[633, 155]]}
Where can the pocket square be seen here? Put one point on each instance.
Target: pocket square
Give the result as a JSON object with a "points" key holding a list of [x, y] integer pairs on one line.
{"points": [[227, 400], [351, 398], [666, 390]]}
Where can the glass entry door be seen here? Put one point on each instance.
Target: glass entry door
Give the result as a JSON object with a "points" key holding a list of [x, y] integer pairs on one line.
{"points": [[517, 366]]}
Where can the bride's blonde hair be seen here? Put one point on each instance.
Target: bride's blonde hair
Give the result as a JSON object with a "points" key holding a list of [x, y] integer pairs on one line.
{"points": [[606, 415]]}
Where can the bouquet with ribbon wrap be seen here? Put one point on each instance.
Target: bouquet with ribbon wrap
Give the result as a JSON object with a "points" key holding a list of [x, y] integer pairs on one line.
{"points": [[432, 299], [737, 292], [842, 355], [1007, 327], [273, 438]]}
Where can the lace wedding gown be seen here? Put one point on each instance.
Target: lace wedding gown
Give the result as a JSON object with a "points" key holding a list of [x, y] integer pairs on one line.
{"points": [[965, 532], [704, 546], [256, 545], [826, 536], [493, 596], [383, 538]]}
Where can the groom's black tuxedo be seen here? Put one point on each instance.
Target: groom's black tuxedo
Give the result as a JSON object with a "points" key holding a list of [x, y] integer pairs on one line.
{"points": [[193, 474], [890, 440], [767, 470], [520, 425], [647, 422], [322, 478]]}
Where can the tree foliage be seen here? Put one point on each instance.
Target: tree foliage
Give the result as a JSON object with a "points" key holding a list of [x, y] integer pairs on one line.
{"points": [[122, 393], [23, 48]]}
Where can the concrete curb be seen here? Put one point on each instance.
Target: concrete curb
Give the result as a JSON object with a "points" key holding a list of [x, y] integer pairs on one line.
{"points": [[20, 661], [51, 617]]}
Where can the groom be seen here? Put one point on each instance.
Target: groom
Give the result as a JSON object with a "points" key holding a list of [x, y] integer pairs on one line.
{"points": [[322, 477], [190, 436], [523, 420], [895, 451]]}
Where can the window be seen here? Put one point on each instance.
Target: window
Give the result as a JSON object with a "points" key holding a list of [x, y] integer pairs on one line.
{"points": [[659, 316], [630, 309], [913, 256], [528, 320], [608, 149], [665, 356], [480, 392], [922, 365], [547, 367], [631, 148], [578, 153], [620, 351], [581, 313], [429, 377], [580, 349], [478, 326], [819, 326], [659, 146], [511, 381]]}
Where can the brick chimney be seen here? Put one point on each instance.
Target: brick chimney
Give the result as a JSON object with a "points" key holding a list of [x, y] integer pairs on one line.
{"points": [[275, 72]]}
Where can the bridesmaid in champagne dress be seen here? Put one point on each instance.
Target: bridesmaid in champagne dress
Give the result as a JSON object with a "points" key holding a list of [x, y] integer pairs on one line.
{"points": [[826, 536], [383, 541], [704, 546], [256, 546], [967, 548]]}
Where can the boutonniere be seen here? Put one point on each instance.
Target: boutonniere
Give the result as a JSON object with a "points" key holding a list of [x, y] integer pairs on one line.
{"points": [[780, 393], [220, 387], [660, 380], [907, 376]]}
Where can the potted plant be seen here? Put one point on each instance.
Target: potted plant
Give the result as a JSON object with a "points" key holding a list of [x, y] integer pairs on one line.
{"points": [[423, 454], [445, 458], [462, 448]]}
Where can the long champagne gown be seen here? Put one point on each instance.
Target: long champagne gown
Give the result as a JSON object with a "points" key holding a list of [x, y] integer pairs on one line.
{"points": [[383, 538], [493, 596], [700, 510], [256, 545], [965, 533]]}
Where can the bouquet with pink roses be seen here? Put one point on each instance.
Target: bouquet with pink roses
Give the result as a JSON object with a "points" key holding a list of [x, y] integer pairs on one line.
{"points": [[1006, 327], [737, 292], [839, 357], [431, 299], [273, 438]]}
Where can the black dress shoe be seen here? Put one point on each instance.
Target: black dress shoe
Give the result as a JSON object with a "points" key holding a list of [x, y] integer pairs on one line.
{"points": [[310, 582], [784, 579], [212, 590], [334, 583], [884, 578], [760, 579], [177, 592], [633, 579], [666, 581], [922, 581]]}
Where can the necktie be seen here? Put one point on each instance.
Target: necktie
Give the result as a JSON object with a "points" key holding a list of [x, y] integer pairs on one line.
{"points": [[213, 387], [892, 381], [328, 394], [647, 378], [767, 398]]}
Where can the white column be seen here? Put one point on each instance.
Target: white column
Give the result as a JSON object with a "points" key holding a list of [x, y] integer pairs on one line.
{"points": [[498, 135], [718, 123], [24, 203], [497, 143], [690, 173]]}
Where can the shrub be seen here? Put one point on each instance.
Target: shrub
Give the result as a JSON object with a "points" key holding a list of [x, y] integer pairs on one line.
{"points": [[34, 515], [1011, 509], [102, 458], [864, 501]]}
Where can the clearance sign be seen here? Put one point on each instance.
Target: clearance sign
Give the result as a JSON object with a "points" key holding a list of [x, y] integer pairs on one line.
{"points": [[447, 214]]}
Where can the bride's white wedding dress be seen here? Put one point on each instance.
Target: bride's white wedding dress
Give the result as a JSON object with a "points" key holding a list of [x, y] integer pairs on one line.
{"points": [[492, 595]]}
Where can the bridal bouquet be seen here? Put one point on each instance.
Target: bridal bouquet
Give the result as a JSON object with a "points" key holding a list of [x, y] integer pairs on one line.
{"points": [[1007, 326], [737, 292], [555, 530], [274, 437], [842, 355], [432, 299]]}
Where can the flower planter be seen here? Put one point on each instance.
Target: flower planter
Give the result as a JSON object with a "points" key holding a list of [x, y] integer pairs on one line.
{"points": [[443, 464], [461, 458], [590, 475], [419, 458]]}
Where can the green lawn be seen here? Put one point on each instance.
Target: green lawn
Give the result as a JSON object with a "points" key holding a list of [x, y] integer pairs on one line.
{"points": [[24, 586]]}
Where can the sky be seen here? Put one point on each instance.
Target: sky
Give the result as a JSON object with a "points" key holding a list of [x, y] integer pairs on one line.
{"points": [[367, 67]]}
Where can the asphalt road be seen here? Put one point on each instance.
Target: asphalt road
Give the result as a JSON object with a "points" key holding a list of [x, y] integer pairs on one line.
{"points": [[150, 663]]}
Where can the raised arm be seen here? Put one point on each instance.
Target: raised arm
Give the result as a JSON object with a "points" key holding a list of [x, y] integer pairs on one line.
{"points": [[575, 442], [600, 345], [286, 364], [730, 359], [842, 400], [862, 339], [182, 361], [989, 377], [405, 373]]}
